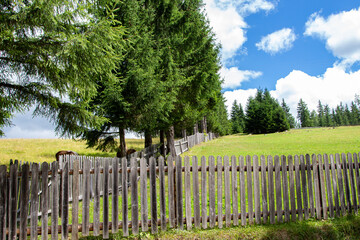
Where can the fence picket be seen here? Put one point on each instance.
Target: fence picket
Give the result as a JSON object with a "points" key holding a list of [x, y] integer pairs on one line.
{"points": [[65, 201], [278, 189], [212, 214], [357, 175], [13, 201], [75, 201], [292, 188], [328, 186], [298, 189], [264, 189], [134, 193], [187, 193], [249, 188], [227, 191], [304, 187], [44, 200], [256, 190], [219, 192], [322, 187], [3, 196], [285, 189], [196, 192], [335, 189], [234, 191], [23, 201], [96, 196], [153, 201], [115, 194], [203, 193], [86, 197], [271, 190], [242, 191], [161, 189], [340, 182], [143, 193], [34, 205], [124, 191], [179, 192], [351, 176], [316, 186], [346, 182], [55, 201], [106, 199]]}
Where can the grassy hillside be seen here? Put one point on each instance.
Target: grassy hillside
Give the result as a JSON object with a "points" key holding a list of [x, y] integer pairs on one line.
{"points": [[297, 141]]}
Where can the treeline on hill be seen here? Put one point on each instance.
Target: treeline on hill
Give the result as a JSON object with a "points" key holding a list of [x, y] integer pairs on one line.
{"points": [[97, 70], [326, 117]]}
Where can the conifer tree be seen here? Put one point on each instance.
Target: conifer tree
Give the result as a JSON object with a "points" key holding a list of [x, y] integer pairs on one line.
{"points": [[303, 114], [289, 116]]}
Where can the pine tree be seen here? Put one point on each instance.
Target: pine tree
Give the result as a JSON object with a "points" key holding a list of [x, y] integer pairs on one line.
{"points": [[327, 116], [303, 114], [355, 114], [235, 123], [289, 116], [321, 114]]}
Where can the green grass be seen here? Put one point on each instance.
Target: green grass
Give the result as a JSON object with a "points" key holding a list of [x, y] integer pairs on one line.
{"points": [[297, 141]]}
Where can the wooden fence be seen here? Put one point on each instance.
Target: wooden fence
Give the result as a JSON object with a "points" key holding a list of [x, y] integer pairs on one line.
{"points": [[200, 193]]}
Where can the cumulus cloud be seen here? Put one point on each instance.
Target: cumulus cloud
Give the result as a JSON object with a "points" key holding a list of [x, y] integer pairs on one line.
{"points": [[233, 77], [254, 6], [240, 95], [341, 33], [278, 41]]}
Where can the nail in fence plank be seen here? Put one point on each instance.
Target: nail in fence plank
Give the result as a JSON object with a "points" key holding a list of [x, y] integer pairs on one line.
{"points": [[242, 191], [44, 200], [65, 201], [234, 191], [316, 186], [203, 193], [143, 192], [171, 172], [256, 190], [75, 201], [13, 201], [212, 214], [34, 206], [96, 196], [249, 188], [322, 187], [134, 193], [285, 189], [328, 186], [278, 189], [351, 176], [106, 199], [340, 182], [115, 194], [196, 192], [86, 197], [24, 200], [357, 175], [304, 187], [310, 187], [292, 188], [264, 189], [3, 195], [179, 198], [187, 193], [227, 192], [335, 189], [219, 192], [298, 188], [271, 190], [124, 190], [55, 202]]}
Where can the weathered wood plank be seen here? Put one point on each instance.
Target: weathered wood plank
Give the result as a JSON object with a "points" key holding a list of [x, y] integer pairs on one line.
{"points": [[34, 205], [292, 188], [134, 193], [3, 196], [298, 188], [322, 187], [153, 200], [340, 183], [227, 191], [44, 200], [115, 194], [187, 193], [278, 189], [234, 186], [353, 188], [124, 188], [106, 199], [75, 202], [310, 187], [86, 197], [285, 189], [55, 202], [65, 202], [179, 193], [212, 215], [23, 201], [13, 201], [196, 192], [143, 193], [219, 192], [335, 188], [203, 194], [316, 186], [264, 189], [346, 182], [97, 188], [304, 187], [249, 190], [271, 190], [256, 190], [171, 177], [242, 191], [328, 186], [357, 175]]}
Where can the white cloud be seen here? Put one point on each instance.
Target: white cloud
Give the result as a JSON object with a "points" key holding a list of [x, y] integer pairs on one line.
{"points": [[278, 41], [233, 77], [340, 31], [240, 95], [253, 6]]}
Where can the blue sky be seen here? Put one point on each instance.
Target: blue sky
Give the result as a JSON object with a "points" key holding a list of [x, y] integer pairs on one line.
{"points": [[306, 49]]}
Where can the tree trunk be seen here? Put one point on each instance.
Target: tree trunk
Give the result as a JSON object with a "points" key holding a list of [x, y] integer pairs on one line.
{"points": [[148, 139], [122, 148], [196, 128], [202, 125], [171, 142], [183, 132], [162, 143], [205, 125]]}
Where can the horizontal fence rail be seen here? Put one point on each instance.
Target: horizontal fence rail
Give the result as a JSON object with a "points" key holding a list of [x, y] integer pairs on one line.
{"points": [[100, 195]]}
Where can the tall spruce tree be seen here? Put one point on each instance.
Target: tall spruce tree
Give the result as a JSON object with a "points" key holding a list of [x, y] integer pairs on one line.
{"points": [[50, 53], [321, 117], [303, 114], [289, 116], [235, 114]]}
